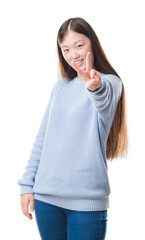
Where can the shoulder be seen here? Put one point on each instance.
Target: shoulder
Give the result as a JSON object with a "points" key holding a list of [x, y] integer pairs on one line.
{"points": [[112, 78], [59, 83]]}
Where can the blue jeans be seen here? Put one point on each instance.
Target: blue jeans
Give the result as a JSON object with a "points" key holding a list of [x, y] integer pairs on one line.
{"points": [[57, 223]]}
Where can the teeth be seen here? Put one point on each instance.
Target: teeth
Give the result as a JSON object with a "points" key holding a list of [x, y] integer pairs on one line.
{"points": [[78, 61]]}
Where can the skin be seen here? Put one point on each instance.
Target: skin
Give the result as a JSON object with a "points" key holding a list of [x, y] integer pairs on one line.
{"points": [[25, 200], [77, 46], [91, 77]]}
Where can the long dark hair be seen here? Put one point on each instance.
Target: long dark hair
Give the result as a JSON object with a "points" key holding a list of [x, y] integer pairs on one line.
{"points": [[117, 142]]}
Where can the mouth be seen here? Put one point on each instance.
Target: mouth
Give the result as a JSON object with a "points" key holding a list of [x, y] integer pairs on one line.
{"points": [[79, 62]]}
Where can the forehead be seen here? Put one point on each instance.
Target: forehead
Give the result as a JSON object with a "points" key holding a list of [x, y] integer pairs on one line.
{"points": [[72, 37]]}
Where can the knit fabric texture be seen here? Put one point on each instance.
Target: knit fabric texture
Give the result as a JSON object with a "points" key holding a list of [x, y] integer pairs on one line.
{"points": [[67, 166]]}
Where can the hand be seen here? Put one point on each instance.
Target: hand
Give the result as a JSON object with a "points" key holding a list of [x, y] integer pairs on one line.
{"points": [[91, 77], [25, 200]]}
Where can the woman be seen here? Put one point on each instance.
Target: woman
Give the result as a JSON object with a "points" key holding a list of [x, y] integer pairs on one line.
{"points": [[66, 179]]}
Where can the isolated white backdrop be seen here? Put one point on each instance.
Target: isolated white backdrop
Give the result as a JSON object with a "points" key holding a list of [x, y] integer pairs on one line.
{"points": [[28, 71]]}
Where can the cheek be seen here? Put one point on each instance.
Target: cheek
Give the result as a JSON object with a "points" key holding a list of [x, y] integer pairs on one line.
{"points": [[67, 59]]}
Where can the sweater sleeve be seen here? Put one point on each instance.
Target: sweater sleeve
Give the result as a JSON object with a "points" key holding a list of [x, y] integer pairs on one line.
{"points": [[27, 181], [106, 98]]}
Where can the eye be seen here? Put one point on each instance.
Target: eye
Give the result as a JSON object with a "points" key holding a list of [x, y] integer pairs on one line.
{"points": [[65, 50], [80, 45]]}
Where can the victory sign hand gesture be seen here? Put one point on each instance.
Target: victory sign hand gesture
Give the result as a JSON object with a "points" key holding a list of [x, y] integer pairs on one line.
{"points": [[91, 77]]}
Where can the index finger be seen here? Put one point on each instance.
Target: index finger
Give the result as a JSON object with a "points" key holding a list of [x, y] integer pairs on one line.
{"points": [[88, 62]]}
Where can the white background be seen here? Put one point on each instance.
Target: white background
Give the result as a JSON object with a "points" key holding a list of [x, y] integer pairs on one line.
{"points": [[28, 71]]}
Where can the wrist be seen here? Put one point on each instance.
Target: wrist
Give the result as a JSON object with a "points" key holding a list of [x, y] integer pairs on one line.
{"points": [[93, 90]]}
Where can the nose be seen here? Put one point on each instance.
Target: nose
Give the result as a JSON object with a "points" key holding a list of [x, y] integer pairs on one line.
{"points": [[75, 55]]}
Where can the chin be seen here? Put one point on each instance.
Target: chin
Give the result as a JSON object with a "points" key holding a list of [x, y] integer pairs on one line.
{"points": [[84, 68]]}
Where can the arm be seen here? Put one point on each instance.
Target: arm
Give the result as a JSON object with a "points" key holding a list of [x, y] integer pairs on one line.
{"points": [[27, 181], [106, 98], [103, 90]]}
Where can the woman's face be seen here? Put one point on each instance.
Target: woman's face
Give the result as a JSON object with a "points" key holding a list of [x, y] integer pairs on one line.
{"points": [[74, 47]]}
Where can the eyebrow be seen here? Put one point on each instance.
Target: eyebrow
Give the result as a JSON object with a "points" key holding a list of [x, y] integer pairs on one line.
{"points": [[74, 43]]}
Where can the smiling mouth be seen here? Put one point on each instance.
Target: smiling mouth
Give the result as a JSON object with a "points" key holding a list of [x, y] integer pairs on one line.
{"points": [[79, 62]]}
